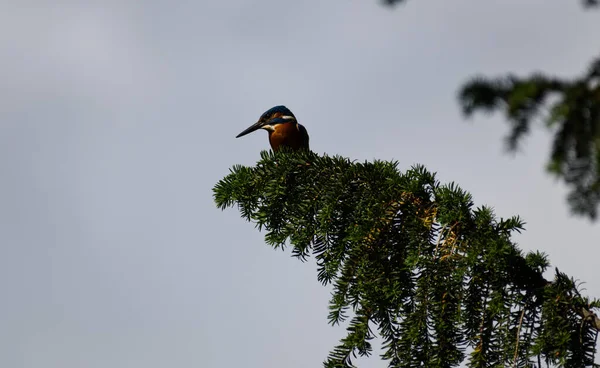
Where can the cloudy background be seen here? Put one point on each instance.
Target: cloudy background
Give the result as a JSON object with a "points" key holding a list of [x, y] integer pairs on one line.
{"points": [[117, 118]]}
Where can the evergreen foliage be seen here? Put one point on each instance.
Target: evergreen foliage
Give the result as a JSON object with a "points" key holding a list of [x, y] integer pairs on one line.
{"points": [[573, 108], [415, 262], [570, 108]]}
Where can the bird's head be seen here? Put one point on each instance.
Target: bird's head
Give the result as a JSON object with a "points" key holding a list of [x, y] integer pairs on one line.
{"points": [[268, 120]]}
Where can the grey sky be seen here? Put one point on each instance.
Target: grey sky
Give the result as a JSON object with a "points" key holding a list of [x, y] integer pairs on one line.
{"points": [[117, 118]]}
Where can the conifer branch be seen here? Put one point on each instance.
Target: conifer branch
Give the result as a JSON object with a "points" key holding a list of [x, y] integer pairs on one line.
{"points": [[376, 234]]}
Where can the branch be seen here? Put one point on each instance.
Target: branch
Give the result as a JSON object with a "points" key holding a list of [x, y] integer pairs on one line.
{"points": [[376, 234], [590, 316]]}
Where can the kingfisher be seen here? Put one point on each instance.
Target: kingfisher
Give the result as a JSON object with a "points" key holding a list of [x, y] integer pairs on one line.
{"points": [[283, 128]]}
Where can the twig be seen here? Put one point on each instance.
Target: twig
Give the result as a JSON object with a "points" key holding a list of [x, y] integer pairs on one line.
{"points": [[518, 337]]}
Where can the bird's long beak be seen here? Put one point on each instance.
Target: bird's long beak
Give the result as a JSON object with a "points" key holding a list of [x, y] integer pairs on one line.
{"points": [[250, 129]]}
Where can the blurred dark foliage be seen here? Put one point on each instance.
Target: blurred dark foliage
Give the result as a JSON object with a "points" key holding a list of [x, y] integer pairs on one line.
{"points": [[570, 108]]}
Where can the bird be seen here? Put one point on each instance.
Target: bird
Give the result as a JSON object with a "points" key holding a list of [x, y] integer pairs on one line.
{"points": [[284, 130]]}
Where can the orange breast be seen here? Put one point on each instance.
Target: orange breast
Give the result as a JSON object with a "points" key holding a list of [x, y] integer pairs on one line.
{"points": [[289, 135]]}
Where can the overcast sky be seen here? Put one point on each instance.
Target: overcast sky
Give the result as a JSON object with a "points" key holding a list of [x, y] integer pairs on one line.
{"points": [[116, 120]]}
